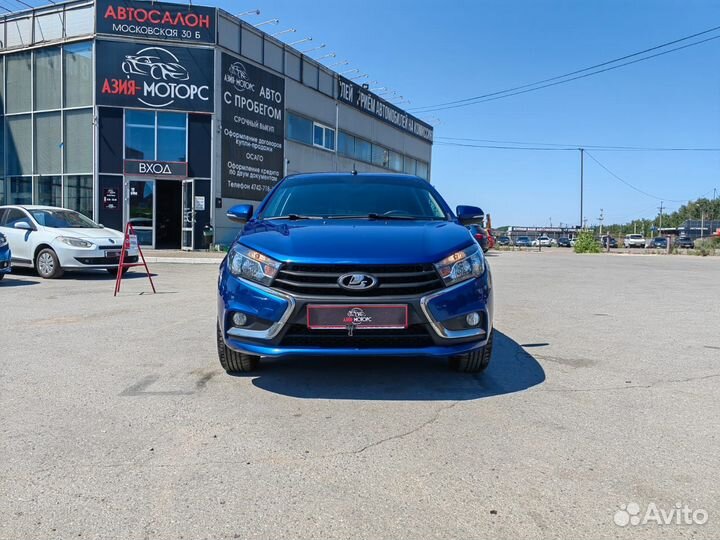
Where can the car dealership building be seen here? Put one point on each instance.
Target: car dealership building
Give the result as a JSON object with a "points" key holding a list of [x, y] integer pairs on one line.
{"points": [[165, 115]]}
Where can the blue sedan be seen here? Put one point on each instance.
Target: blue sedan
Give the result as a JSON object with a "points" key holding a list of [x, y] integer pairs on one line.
{"points": [[5, 256]]}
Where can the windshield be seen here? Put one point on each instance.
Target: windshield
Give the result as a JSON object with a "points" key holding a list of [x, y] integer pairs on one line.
{"points": [[360, 196], [63, 219]]}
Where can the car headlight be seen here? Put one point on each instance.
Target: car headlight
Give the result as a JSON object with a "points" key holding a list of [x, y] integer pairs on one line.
{"points": [[253, 265], [462, 265], [75, 242], [3, 241]]}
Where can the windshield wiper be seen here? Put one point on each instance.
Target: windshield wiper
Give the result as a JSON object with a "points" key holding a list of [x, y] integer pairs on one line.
{"points": [[293, 217], [373, 215]]}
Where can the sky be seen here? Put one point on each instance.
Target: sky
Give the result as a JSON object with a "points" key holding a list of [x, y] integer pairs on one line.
{"points": [[434, 52]]}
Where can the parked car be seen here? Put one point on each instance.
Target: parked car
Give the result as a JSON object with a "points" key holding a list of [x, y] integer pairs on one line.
{"points": [[504, 241], [542, 240], [604, 241], [5, 256], [53, 240], [658, 243], [634, 240], [523, 241], [481, 235], [685, 242], [348, 264], [564, 241]]}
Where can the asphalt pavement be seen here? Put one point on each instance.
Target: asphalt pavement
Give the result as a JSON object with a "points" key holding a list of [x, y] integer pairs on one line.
{"points": [[600, 404]]}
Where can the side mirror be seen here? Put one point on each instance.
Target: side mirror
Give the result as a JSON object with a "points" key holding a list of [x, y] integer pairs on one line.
{"points": [[469, 215], [240, 213], [24, 225]]}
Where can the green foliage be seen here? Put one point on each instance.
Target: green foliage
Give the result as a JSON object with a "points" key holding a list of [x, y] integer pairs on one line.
{"points": [[692, 210], [586, 243]]}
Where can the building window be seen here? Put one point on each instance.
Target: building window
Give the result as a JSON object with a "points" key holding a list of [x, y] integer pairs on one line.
{"points": [[78, 141], [48, 143], [363, 150], [78, 194], [422, 169], [78, 80], [139, 134], [346, 144], [300, 129], [396, 161], [48, 190], [47, 78], [380, 156], [410, 165], [171, 136], [20, 190], [18, 97], [19, 145], [323, 136]]}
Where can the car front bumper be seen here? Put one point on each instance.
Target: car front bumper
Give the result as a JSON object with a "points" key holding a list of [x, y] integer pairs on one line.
{"points": [[91, 257], [278, 325], [5, 257]]}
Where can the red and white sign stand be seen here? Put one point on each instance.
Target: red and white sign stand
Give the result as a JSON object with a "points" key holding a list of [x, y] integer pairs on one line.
{"points": [[130, 241]]}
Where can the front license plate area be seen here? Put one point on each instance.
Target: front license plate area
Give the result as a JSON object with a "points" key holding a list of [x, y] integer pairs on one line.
{"points": [[359, 317], [112, 254]]}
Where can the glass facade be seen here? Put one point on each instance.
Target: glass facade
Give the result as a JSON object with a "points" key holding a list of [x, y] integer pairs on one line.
{"points": [[154, 135], [47, 127]]}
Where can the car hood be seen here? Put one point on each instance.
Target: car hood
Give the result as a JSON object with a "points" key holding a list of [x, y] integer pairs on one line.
{"points": [[356, 241], [89, 234]]}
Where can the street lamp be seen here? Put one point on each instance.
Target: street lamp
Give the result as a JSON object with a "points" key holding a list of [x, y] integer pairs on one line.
{"points": [[337, 64], [359, 76], [329, 55], [250, 12], [349, 71], [321, 46], [281, 32], [303, 40], [270, 21]]}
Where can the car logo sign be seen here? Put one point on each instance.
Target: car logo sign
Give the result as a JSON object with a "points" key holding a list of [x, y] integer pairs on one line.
{"points": [[357, 282]]}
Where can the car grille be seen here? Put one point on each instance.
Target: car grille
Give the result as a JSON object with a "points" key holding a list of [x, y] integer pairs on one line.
{"points": [[322, 280], [111, 261], [415, 336]]}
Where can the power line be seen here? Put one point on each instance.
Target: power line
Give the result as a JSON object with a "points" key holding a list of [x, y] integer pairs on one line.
{"points": [[498, 147], [527, 87], [603, 148], [629, 184]]}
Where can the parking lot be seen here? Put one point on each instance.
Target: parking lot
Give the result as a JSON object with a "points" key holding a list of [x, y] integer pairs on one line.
{"points": [[118, 422]]}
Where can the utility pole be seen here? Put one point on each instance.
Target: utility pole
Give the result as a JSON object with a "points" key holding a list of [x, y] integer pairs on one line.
{"points": [[660, 228], [582, 181], [702, 224], [601, 218]]}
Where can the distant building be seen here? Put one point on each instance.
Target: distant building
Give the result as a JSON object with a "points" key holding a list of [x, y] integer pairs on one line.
{"points": [[514, 231], [695, 228]]}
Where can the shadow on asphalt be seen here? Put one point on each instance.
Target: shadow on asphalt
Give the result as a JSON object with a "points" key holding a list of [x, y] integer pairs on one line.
{"points": [[79, 275], [8, 281], [511, 370]]}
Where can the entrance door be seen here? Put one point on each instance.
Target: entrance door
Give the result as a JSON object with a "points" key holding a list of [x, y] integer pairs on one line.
{"points": [[188, 215], [141, 210]]}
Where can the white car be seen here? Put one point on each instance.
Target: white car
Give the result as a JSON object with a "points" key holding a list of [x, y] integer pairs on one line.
{"points": [[543, 241], [52, 239], [634, 240]]}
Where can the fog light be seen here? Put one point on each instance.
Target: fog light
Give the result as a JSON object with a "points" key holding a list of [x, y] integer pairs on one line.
{"points": [[472, 319], [239, 319]]}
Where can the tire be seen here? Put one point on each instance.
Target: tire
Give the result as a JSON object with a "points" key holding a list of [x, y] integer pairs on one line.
{"points": [[475, 361], [233, 361], [114, 271], [47, 264]]}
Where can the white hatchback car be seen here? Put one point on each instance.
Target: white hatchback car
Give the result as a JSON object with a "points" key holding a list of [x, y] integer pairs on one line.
{"points": [[54, 239]]}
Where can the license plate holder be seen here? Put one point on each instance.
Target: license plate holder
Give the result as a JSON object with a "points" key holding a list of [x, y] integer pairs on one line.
{"points": [[357, 316], [112, 254]]}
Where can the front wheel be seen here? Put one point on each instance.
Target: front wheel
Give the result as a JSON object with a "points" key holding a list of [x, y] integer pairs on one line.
{"points": [[233, 361], [475, 361], [47, 264]]}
